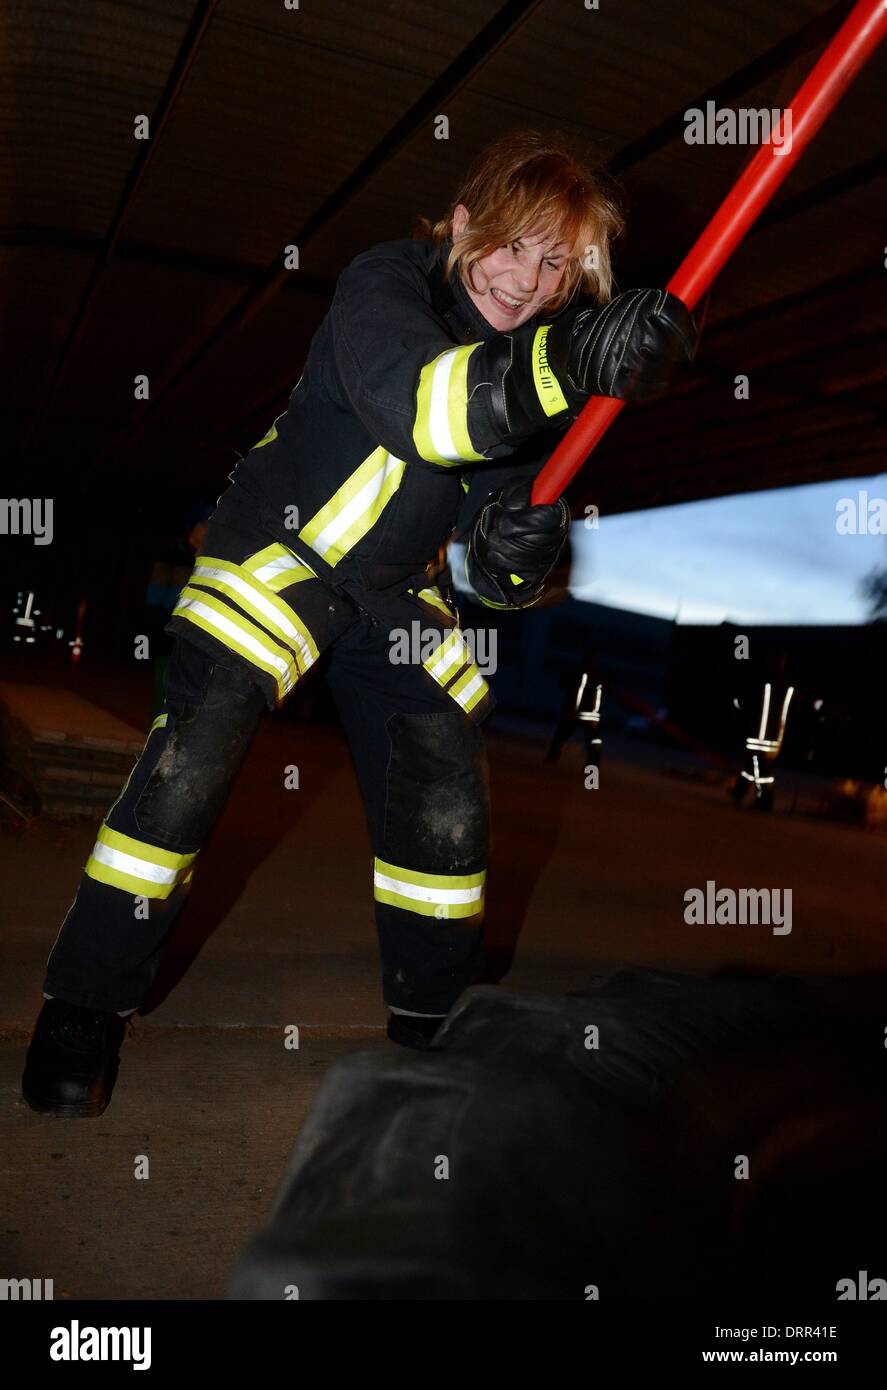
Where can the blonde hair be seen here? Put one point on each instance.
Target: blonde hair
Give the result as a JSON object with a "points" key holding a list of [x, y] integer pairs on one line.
{"points": [[529, 183]]}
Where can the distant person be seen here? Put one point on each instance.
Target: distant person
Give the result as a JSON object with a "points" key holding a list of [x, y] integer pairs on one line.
{"points": [[763, 709], [580, 712]]}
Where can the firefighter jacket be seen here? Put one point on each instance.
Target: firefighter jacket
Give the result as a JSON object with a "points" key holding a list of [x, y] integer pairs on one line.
{"points": [[388, 447]]}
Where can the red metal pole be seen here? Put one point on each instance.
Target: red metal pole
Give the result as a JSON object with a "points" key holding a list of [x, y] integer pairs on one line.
{"points": [[852, 45]]}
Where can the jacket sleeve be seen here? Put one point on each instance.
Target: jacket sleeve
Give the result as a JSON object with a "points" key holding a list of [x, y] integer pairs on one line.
{"points": [[414, 390]]}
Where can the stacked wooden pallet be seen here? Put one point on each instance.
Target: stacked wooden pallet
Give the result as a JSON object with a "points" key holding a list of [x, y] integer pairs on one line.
{"points": [[73, 755]]}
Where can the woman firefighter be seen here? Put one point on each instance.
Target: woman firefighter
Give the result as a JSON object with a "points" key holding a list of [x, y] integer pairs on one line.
{"points": [[436, 386]]}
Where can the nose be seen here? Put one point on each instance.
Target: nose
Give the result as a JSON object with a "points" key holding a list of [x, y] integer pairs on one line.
{"points": [[527, 277]]}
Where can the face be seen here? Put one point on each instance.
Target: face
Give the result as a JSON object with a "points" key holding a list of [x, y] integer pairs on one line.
{"points": [[513, 282]]}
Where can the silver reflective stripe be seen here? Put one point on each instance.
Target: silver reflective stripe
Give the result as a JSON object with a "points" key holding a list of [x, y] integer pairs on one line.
{"points": [[455, 654], [464, 695], [246, 639], [354, 510], [129, 864], [765, 712], [423, 894], [439, 410], [279, 566], [271, 614]]}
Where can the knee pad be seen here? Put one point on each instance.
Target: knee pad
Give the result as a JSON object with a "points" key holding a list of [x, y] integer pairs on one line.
{"points": [[212, 716], [437, 808]]}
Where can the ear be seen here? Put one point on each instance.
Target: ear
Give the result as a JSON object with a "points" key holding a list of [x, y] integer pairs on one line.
{"points": [[460, 219]]}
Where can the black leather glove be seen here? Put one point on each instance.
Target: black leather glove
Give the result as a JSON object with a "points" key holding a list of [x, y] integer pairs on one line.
{"points": [[514, 546], [628, 349]]}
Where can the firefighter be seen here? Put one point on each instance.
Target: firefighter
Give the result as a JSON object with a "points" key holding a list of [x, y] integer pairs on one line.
{"points": [[435, 387], [763, 707], [580, 710]]}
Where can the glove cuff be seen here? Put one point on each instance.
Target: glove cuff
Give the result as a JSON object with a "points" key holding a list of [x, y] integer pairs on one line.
{"points": [[510, 592], [530, 393]]}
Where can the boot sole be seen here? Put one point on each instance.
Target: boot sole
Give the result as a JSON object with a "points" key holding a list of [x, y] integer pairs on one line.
{"points": [[66, 1109], [87, 1109]]}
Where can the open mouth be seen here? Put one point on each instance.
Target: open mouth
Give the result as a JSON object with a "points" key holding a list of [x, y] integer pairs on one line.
{"points": [[507, 302]]}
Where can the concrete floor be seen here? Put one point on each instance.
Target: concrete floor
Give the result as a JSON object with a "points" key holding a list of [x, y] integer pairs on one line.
{"points": [[279, 931]]}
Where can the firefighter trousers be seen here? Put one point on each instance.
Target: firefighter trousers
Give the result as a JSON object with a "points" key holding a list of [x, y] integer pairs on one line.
{"points": [[421, 769]]}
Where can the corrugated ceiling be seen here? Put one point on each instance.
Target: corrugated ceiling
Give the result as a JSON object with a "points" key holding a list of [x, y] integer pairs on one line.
{"points": [[315, 126]]}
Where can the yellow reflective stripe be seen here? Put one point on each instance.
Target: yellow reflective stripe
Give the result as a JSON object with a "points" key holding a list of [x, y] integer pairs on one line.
{"points": [[465, 484], [419, 879], [159, 723], [430, 895], [277, 567], [356, 507], [266, 608], [238, 634], [451, 666], [451, 654], [271, 435], [469, 689], [440, 433], [551, 397], [436, 599], [126, 844], [137, 867]]}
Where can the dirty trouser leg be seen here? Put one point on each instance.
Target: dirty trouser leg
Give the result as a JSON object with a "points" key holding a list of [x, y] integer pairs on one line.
{"points": [[421, 766], [138, 874]]}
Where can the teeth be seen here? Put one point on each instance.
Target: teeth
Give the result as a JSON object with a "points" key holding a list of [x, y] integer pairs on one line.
{"points": [[514, 303]]}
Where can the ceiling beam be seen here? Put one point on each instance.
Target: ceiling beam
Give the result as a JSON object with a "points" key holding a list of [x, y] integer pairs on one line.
{"points": [[172, 90], [821, 192], [173, 258]]}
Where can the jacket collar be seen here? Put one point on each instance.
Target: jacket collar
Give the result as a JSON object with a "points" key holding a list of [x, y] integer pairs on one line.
{"points": [[454, 304]]}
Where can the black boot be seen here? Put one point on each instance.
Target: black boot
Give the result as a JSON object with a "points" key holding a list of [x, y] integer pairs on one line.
{"points": [[72, 1062], [411, 1030]]}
